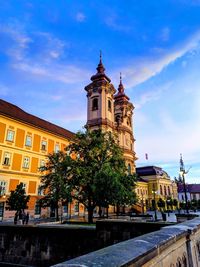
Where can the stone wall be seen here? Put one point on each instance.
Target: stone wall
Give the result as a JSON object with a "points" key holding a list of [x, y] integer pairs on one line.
{"points": [[172, 246], [44, 245]]}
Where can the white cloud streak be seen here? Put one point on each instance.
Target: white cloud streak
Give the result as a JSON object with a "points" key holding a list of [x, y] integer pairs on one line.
{"points": [[144, 68]]}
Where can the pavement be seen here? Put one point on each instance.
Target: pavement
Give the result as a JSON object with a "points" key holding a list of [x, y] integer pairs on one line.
{"points": [[170, 217]]}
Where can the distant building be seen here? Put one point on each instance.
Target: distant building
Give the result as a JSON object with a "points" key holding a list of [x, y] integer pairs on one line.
{"points": [[192, 191], [154, 181]]}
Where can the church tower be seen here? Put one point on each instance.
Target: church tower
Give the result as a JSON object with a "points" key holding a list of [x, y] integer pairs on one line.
{"points": [[100, 94], [111, 111], [123, 125]]}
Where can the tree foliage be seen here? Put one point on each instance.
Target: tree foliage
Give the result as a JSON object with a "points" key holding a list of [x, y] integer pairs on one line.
{"points": [[18, 199], [55, 180], [161, 204], [99, 173]]}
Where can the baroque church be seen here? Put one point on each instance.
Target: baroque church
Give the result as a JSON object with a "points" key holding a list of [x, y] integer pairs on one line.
{"points": [[110, 110]]}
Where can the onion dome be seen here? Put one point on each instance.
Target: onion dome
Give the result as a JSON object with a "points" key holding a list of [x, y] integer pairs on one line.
{"points": [[120, 94], [100, 75]]}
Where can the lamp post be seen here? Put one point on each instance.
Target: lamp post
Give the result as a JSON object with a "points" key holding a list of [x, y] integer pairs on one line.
{"points": [[154, 197], [182, 174]]}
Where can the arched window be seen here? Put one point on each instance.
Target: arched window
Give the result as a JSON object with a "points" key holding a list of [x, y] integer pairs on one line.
{"points": [[117, 119], [184, 260], [165, 190], [95, 104], [161, 191], [109, 105], [169, 192]]}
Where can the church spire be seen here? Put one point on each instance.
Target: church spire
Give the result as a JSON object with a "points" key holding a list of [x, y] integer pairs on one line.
{"points": [[100, 68], [121, 93], [100, 75]]}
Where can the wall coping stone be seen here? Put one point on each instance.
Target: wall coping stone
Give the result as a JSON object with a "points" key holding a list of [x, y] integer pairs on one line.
{"points": [[135, 251]]}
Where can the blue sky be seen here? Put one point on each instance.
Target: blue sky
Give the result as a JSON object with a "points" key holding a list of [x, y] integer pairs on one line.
{"points": [[50, 49]]}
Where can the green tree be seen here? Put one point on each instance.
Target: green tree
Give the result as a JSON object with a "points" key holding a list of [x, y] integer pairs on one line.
{"points": [[55, 181], [18, 200], [99, 174], [161, 204], [175, 203], [169, 203]]}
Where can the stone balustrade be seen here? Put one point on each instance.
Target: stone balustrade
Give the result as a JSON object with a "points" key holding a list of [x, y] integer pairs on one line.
{"points": [[172, 246]]}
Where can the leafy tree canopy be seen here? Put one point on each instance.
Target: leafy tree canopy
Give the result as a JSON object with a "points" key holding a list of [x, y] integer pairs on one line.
{"points": [[55, 180], [99, 173], [18, 199]]}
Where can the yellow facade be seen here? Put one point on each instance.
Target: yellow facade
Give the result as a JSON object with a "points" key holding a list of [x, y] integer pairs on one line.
{"points": [[158, 185], [23, 149]]}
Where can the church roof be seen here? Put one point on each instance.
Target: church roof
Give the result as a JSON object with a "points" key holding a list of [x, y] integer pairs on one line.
{"points": [[100, 72], [121, 94], [149, 170], [9, 110]]}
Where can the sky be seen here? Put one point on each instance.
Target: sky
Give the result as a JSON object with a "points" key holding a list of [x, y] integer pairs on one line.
{"points": [[50, 49]]}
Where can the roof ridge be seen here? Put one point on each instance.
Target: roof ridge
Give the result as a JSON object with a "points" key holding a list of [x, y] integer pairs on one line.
{"points": [[19, 114]]}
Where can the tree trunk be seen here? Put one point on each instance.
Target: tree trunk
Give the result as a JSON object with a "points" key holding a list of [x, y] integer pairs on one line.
{"points": [[90, 214], [57, 216]]}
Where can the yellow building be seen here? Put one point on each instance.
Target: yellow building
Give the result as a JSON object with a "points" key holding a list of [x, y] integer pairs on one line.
{"points": [[154, 183], [25, 141]]}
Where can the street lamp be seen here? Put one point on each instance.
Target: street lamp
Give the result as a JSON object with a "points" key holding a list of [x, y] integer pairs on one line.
{"points": [[154, 197], [182, 174]]}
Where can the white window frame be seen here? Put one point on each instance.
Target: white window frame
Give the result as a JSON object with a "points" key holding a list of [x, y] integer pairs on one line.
{"points": [[57, 148], [28, 141], [10, 135], [44, 145], [26, 162], [3, 185], [7, 158], [42, 163]]}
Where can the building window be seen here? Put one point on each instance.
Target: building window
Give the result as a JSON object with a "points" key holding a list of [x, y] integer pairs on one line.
{"points": [[165, 190], [109, 106], [44, 145], [76, 207], [161, 191], [40, 191], [57, 148], [26, 162], [7, 158], [28, 140], [37, 208], [2, 188], [42, 163], [23, 186], [95, 104], [10, 136], [169, 192]]}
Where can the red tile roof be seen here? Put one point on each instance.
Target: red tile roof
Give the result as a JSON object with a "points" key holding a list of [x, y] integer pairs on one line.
{"points": [[9, 110]]}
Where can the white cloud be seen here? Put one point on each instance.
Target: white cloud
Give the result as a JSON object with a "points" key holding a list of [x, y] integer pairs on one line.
{"points": [[152, 95], [80, 17], [68, 74], [144, 68]]}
